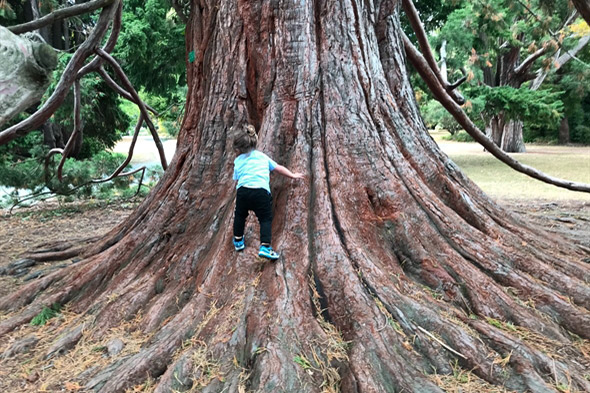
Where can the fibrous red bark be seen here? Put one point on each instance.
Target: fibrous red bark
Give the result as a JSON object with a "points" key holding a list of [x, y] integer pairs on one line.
{"points": [[394, 265]]}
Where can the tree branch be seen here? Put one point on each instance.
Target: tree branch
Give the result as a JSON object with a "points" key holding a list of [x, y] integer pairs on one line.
{"points": [[109, 46], [67, 79], [418, 27], [458, 82], [121, 74], [75, 133], [129, 154], [455, 110], [124, 93], [528, 62], [560, 61], [584, 7], [60, 14], [179, 11]]}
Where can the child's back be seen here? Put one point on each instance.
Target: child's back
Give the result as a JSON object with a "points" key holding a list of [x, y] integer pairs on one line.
{"points": [[253, 169]]}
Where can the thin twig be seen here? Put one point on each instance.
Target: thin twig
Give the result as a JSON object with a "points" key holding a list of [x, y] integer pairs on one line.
{"points": [[60, 14], [70, 192], [122, 92], [131, 147], [457, 112], [440, 342], [77, 129], [140, 181], [127, 84]]}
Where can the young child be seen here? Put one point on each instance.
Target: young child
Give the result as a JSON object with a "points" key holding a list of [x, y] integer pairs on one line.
{"points": [[252, 171]]}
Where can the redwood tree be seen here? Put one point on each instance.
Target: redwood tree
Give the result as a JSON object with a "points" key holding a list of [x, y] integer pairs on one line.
{"points": [[395, 267]]}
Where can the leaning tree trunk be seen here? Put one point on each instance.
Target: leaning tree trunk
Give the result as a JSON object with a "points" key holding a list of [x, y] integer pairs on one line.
{"points": [[395, 269], [25, 73]]}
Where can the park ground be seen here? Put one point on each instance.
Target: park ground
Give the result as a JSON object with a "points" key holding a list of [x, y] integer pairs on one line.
{"points": [[44, 226]]}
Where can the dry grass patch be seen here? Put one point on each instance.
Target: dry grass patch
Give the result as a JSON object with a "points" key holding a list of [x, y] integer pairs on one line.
{"points": [[463, 381], [33, 372]]}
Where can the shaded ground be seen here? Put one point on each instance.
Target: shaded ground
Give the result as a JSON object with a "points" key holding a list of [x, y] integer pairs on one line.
{"points": [[50, 224]]}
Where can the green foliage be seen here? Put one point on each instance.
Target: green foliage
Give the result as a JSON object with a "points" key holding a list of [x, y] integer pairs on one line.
{"points": [[481, 35], [46, 314], [461, 136], [29, 173], [436, 116], [580, 134], [6, 13], [170, 127], [536, 108], [151, 47], [103, 120]]}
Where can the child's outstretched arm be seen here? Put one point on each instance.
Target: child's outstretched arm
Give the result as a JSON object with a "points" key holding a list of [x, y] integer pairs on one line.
{"points": [[281, 170]]}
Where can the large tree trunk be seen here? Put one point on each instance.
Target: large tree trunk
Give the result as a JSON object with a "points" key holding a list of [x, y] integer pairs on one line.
{"points": [[395, 267], [512, 137], [507, 134], [564, 131], [584, 7]]}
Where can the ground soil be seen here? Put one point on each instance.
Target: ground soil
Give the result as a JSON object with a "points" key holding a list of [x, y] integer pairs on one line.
{"points": [[48, 224], [44, 226]]}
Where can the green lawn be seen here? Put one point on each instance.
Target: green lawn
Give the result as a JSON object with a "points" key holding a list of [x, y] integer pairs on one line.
{"points": [[500, 181]]}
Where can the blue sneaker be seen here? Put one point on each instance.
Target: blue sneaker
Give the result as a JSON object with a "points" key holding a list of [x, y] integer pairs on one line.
{"points": [[239, 244], [268, 252]]}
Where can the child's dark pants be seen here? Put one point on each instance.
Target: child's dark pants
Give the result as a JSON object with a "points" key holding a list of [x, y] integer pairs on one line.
{"points": [[258, 200]]}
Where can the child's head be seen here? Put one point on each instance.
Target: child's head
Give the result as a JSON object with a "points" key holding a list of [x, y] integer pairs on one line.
{"points": [[245, 139]]}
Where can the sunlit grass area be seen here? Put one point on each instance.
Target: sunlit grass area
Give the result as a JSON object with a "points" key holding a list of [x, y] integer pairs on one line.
{"points": [[500, 181]]}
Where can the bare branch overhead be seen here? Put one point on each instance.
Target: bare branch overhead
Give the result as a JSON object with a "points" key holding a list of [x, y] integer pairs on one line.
{"points": [[61, 13]]}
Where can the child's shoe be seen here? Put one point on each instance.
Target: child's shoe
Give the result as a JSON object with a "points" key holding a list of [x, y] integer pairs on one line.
{"points": [[239, 244], [268, 252]]}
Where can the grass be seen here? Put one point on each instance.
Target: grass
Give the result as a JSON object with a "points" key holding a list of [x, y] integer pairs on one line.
{"points": [[46, 314], [500, 181]]}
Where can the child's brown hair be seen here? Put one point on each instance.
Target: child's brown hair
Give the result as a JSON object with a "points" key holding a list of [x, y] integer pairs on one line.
{"points": [[245, 138]]}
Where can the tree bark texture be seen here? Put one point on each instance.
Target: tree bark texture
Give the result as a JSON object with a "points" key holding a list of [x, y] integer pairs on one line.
{"points": [[564, 131], [25, 73], [394, 265], [584, 7], [507, 134]]}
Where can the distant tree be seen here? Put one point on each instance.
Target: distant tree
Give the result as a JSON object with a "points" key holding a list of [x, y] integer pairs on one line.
{"points": [[513, 46]]}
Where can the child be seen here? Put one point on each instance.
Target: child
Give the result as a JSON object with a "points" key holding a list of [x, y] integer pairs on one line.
{"points": [[252, 171]]}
